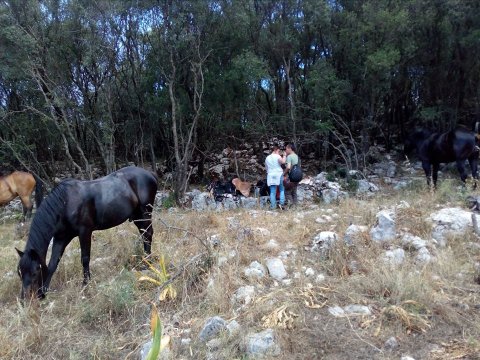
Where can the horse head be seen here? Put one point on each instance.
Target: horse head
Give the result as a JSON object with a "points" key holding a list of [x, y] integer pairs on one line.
{"points": [[33, 272]]}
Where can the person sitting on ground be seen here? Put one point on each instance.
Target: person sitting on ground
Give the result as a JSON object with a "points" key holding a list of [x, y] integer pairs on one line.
{"points": [[273, 165], [291, 186]]}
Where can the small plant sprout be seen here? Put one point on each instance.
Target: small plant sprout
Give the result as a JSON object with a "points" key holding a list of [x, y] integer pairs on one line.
{"points": [[159, 342]]}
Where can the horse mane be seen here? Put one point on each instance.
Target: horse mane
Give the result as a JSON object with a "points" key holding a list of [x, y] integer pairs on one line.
{"points": [[45, 220]]}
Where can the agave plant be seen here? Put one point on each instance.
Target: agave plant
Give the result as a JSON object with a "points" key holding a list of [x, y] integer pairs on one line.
{"points": [[159, 278]]}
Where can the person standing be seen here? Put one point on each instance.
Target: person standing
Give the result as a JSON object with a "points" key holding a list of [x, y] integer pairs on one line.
{"points": [[291, 186], [273, 165]]}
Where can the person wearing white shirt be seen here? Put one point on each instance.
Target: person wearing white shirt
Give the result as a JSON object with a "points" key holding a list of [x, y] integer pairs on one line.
{"points": [[273, 165]]}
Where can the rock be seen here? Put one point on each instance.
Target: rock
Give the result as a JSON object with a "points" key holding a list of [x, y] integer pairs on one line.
{"points": [[219, 170], [331, 195], [405, 357], [449, 221], [276, 269], [160, 198], [309, 272], [244, 295], [233, 327], [264, 201], [164, 354], [261, 344], [323, 219], [366, 187], [255, 270], [214, 344], [349, 310], [395, 257], [391, 343], [244, 233], [145, 349], [423, 256], [262, 231], [402, 205], [324, 241], [320, 278], [304, 193], [355, 174], [248, 203], [410, 241], [391, 169], [336, 311], [213, 326], [285, 254], [233, 223], [272, 244], [402, 184], [202, 202], [228, 203], [214, 240], [222, 260], [357, 310], [185, 341], [385, 228], [354, 233]]}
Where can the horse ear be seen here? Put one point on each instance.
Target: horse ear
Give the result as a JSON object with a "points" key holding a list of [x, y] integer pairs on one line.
{"points": [[19, 252]]}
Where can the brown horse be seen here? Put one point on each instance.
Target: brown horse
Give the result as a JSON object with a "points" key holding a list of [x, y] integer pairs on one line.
{"points": [[21, 184]]}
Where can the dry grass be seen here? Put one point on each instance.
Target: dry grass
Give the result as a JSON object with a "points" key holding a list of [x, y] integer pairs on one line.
{"points": [[432, 310]]}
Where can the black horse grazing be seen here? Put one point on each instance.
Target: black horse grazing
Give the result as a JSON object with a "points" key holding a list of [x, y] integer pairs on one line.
{"points": [[434, 148], [77, 208]]}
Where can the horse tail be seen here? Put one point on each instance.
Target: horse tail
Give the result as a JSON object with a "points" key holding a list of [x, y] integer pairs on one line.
{"points": [[38, 190]]}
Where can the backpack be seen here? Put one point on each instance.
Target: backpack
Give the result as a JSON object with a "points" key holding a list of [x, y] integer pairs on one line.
{"points": [[296, 173]]}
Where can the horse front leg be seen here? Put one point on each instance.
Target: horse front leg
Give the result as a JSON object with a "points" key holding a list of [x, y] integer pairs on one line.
{"points": [[428, 171], [145, 228], [435, 174], [85, 237], [58, 248], [143, 222]]}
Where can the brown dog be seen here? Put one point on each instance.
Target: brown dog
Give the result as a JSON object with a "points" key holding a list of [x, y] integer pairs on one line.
{"points": [[242, 186]]}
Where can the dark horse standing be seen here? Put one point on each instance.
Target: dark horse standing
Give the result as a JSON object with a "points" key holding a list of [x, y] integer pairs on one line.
{"points": [[434, 148], [77, 208]]}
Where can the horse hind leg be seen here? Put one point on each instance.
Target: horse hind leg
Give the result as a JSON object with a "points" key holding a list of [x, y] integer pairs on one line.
{"points": [[27, 206], [85, 247], [461, 170], [428, 172], [473, 161]]}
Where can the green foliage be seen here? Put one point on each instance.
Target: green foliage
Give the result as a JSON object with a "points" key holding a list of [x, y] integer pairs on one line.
{"points": [[92, 77], [169, 201], [351, 185], [112, 299], [331, 176]]}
